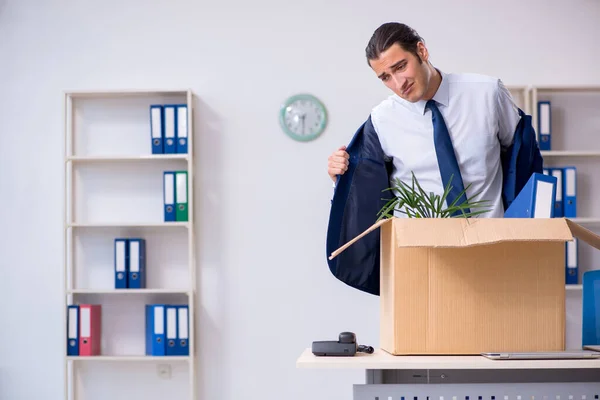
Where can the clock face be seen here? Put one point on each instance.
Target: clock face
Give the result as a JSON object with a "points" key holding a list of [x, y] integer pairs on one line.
{"points": [[303, 117]]}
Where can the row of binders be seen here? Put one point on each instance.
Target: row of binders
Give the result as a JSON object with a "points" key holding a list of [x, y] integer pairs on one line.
{"points": [[84, 330], [175, 196], [169, 128], [130, 263], [166, 330], [538, 199], [565, 204]]}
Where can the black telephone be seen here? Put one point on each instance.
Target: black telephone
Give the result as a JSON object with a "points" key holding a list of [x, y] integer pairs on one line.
{"points": [[345, 346]]}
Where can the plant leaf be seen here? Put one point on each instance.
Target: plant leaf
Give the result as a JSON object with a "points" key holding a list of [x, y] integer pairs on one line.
{"points": [[412, 200]]}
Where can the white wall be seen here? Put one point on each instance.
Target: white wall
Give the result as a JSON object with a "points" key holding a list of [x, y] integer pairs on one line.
{"points": [[264, 288]]}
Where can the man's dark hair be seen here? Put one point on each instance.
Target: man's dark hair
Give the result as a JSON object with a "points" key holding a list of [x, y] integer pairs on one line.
{"points": [[388, 34]]}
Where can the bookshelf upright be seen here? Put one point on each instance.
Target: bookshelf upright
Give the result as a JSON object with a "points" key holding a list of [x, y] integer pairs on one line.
{"points": [[113, 188]]}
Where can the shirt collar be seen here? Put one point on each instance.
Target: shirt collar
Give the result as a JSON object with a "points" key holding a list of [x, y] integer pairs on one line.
{"points": [[441, 96]]}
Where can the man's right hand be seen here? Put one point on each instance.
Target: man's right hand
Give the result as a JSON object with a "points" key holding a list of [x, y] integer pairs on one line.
{"points": [[337, 163]]}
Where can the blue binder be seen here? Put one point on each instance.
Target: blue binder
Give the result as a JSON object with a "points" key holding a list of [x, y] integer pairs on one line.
{"points": [[73, 330], [181, 128], [170, 146], [535, 200], [591, 308], [155, 329], [570, 192], [137, 263], [157, 131], [572, 262], [171, 330], [545, 125], [121, 258], [558, 202], [169, 196], [182, 348]]}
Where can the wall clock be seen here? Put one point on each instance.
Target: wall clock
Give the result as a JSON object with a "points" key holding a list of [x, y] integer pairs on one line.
{"points": [[303, 117]]}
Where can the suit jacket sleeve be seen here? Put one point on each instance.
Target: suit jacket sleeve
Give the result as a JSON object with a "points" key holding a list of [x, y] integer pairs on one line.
{"points": [[357, 199]]}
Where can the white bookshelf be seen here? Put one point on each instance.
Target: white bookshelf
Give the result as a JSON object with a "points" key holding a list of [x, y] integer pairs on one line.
{"points": [[575, 125], [113, 187], [522, 96]]}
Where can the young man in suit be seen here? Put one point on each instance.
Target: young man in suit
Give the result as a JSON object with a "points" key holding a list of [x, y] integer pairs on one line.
{"points": [[437, 124]]}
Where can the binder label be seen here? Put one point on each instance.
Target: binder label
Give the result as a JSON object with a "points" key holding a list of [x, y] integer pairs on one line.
{"points": [[134, 259], [73, 323], [544, 118], [183, 323], [570, 182], [156, 124], [572, 253], [159, 321], [169, 189], [182, 122], [170, 125], [86, 325], [171, 323], [543, 200], [181, 188], [120, 267]]}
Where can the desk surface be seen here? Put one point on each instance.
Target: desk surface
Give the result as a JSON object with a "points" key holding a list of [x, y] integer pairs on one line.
{"points": [[383, 360]]}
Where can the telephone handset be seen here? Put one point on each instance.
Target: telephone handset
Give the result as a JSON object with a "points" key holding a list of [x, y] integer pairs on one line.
{"points": [[345, 346]]}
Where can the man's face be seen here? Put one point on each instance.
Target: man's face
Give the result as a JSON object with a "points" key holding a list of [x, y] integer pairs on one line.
{"points": [[402, 72]]}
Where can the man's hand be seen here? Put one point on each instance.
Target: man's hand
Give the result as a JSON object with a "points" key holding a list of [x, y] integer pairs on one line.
{"points": [[337, 163]]}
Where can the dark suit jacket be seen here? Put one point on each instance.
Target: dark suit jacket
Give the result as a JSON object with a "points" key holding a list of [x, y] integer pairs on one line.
{"points": [[358, 198]]}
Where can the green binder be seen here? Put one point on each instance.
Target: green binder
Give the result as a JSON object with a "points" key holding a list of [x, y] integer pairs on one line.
{"points": [[181, 196]]}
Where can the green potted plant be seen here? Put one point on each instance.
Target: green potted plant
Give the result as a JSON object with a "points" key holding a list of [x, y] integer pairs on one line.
{"points": [[413, 201]]}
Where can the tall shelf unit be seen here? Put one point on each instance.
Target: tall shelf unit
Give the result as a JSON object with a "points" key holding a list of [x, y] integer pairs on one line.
{"points": [[113, 188], [574, 128], [575, 125]]}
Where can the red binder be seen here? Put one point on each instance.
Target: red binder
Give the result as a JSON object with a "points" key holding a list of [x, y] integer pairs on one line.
{"points": [[90, 329]]}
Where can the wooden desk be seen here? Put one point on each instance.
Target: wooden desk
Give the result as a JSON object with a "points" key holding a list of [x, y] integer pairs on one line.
{"points": [[382, 360], [466, 377]]}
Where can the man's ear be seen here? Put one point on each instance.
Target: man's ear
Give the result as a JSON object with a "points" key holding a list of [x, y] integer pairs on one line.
{"points": [[422, 52]]}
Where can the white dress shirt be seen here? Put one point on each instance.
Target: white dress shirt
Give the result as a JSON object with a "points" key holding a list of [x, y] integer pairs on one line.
{"points": [[481, 117]]}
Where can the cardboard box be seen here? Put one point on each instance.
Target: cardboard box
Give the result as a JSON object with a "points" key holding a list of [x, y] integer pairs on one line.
{"points": [[467, 286]]}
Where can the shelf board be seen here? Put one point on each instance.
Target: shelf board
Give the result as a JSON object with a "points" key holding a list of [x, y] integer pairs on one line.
{"points": [[586, 221], [130, 225], [128, 291], [125, 93], [574, 88], [517, 87], [570, 153], [573, 287], [129, 358], [127, 158]]}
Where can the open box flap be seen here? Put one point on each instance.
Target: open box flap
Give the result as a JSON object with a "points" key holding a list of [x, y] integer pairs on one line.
{"points": [[584, 234], [357, 238], [464, 232]]}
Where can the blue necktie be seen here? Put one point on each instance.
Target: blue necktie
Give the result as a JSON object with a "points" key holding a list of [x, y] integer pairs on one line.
{"points": [[446, 157]]}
